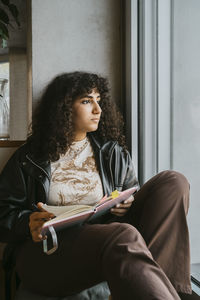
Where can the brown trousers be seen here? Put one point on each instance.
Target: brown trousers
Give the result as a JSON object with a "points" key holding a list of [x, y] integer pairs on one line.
{"points": [[146, 259]]}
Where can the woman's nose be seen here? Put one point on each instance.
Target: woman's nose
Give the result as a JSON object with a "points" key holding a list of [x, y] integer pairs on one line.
{"points": [[96, 108]]}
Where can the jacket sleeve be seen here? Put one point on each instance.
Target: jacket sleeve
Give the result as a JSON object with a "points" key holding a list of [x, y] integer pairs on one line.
{"points": [[14, 215], [130, 179]]}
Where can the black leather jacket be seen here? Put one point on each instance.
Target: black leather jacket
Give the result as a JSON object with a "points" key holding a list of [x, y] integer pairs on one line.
{"points": [[25, 181]]}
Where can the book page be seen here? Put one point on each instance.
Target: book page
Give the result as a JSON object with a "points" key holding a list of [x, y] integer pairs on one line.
{"points": [[67, 210], [68, 214]]}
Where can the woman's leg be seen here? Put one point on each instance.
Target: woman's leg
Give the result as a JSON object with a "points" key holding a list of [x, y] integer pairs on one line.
{"points": [[93, 253], [159, 213]]}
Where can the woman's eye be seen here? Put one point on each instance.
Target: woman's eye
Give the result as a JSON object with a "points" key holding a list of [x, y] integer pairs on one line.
{"points": [[85, 101]]}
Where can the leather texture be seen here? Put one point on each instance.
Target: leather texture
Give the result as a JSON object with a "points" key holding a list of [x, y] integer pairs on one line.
{"points": [[25, 181]]}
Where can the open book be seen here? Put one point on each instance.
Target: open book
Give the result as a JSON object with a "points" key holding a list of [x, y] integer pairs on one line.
{"points": [[70, 215]]}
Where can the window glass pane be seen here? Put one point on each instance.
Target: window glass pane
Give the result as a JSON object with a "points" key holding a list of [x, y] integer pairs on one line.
{"points": [[4, 100], [186, 109]]}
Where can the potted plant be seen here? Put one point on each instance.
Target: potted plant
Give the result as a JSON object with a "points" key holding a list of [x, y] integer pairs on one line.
{"points": [[8, 10]]}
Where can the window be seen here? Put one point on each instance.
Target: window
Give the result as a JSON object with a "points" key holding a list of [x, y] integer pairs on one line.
{"points": [[15, 109], [4, 100], [166, 44]]}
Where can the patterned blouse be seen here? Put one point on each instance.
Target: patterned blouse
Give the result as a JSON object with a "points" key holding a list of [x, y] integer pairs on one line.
{"points": [[75, 178]]}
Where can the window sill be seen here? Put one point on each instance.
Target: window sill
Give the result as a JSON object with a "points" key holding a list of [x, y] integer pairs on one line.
{"points": [[10, 144]]}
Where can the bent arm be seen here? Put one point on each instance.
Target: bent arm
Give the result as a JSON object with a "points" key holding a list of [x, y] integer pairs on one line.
{"points": [[14, 212], [130, 179]]}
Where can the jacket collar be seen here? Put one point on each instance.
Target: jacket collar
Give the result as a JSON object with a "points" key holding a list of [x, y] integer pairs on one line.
{"points": [[99, 145]]}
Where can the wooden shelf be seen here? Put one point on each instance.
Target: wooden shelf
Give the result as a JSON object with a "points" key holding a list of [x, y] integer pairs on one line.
{"points": [[8, 144]]}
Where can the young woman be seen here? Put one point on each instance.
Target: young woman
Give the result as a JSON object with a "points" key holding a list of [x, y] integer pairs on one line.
{"points": [[75, 154]]}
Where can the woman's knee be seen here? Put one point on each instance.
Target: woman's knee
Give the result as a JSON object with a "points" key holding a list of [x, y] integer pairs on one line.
{"points": [[125, 237], [175, 177], [179, 186]]}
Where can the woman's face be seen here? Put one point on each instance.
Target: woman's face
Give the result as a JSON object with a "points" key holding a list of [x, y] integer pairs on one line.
{"points": [[86, 114]]}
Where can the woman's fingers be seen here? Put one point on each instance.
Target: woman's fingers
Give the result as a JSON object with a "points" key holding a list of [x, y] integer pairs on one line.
{"points": [[36, 220], [37, 236], [39, 205], [126, 204], [36, 225], [122, 208], [41, 216], [118, 212], [129, 200]]}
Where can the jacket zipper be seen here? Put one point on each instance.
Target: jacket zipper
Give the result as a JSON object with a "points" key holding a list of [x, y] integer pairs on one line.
{"points": [[112, 181], [37, 166], [45, 192]]}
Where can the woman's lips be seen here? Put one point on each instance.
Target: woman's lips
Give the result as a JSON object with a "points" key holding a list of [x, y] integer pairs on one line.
{"points": [[95, 120]]}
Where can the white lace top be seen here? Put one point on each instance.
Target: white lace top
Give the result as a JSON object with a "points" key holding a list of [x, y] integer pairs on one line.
{"points": [[75, 178]]}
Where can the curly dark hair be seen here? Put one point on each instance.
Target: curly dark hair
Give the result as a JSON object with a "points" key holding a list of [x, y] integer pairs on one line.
{"points": [[52, 127]]}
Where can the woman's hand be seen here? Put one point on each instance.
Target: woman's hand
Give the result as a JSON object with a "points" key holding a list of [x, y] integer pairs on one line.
{"points": [[36, 220], [121, 209]]}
